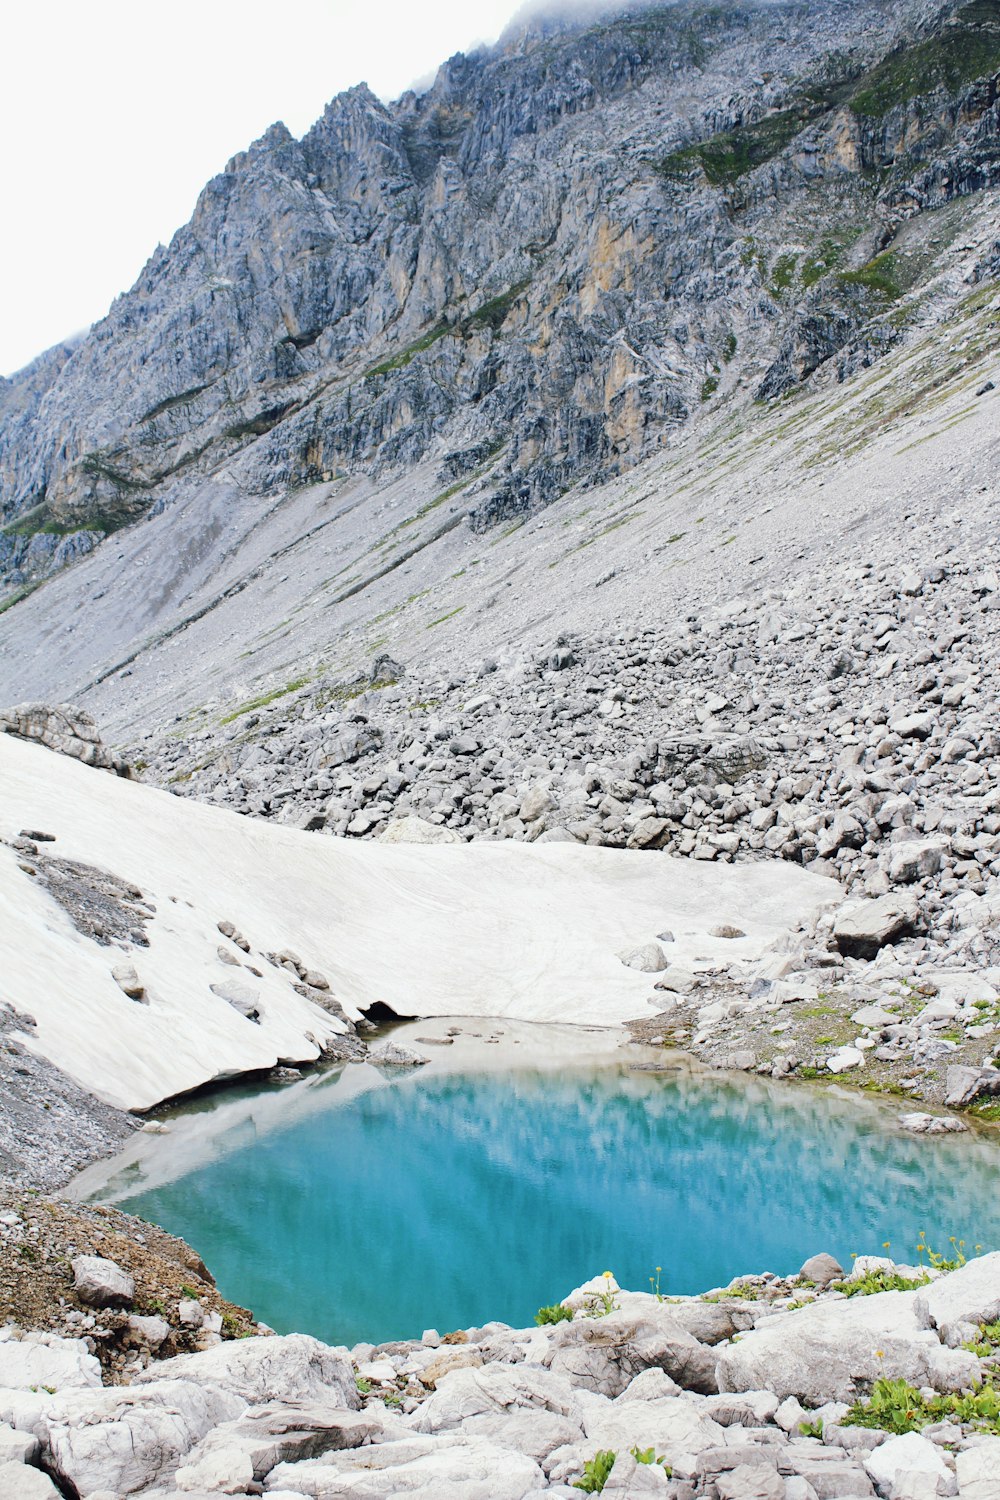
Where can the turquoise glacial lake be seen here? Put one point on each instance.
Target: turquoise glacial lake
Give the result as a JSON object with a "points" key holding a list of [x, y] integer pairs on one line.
{"points": [[359, 1205]]}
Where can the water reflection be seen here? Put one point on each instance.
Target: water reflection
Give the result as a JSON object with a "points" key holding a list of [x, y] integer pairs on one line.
{"points": [[449, 1198]]}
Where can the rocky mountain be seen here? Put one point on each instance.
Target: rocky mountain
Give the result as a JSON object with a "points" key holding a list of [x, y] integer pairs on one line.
{"points": [[531, 276]]}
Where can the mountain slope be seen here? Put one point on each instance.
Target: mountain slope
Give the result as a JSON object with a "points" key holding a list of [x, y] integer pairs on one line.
{"points": [[531, 276]]}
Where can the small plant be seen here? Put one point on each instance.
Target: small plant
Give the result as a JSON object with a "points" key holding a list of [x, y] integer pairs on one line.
{"points": [[189, 1292], [603, 1303], [364, 1386], [880, 1281], [654, 1282], [943, 1262], [895, 1406], [989, 1341], [596, 1472], [557, 1313], [650, 1456], [392, 1398], [812, 1429]]}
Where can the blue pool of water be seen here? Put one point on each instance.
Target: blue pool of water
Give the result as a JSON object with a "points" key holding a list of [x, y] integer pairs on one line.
{"points": [[449, 1198]]}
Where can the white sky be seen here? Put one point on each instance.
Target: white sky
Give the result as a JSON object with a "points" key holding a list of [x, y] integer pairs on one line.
{"points": [[114, 114]]}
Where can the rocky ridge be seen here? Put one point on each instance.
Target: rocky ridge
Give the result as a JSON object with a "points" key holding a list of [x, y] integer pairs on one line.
{"points": [[877, 1382]]}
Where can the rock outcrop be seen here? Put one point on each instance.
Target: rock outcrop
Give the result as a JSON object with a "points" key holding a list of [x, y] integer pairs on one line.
{"points": [[626, 1401]]}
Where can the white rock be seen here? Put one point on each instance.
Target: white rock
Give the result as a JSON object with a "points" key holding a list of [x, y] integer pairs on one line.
{"points": [[968, 1295], [978, 1470], [586, 1295], [235, 1453], [421, 1468], [18, 1482], [535, 804], [922, 1124], [648, 959], [392, 1055], [844, 1058], [102, 1283], [828, 1352], [295, 1367], [629, 1478], [59, 1364], [17, 1447], [414, 830], [910, 1468], [124, 1438], [493, 1389]]}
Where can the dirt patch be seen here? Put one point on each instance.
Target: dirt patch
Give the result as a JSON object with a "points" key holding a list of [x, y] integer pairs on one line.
{"points": [[40, 1235]]}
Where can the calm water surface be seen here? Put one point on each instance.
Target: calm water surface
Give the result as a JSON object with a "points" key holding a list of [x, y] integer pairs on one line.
{"points": [[365, 1207]]}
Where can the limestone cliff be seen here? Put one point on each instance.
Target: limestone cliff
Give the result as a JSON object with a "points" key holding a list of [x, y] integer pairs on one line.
{"points": [[537, 269]]}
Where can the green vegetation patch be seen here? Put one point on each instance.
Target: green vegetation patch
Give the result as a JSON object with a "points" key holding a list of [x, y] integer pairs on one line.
{"points": [[962, 51], [880, 1281], [264, 699], [402, 359], [879, 276], [895, 1406], [493, 314]]}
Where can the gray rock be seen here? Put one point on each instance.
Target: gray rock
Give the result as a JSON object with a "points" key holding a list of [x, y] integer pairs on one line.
{"points": [[861, 928], [648, 959], [393, 1055], [243, 997], [64, 728], [822, 1269], [102, 1283]]}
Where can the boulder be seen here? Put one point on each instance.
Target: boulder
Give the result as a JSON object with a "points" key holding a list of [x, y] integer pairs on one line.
{"points": [[295, 1367], [17, 1447], [243, 997], [238, 1453], [420, 1466], [535, 803], [968, 1295], [822, 1269], [414, 830], [923, 1124], [648, 959], [833, 1351], [39, 1362], [496, 1390], [64, 728], [963, 1084], [861, 928], [629, 1478], [910, 1466], [605, 1354], [392, 1055], [977, 1470], [123, 1439], [128, 981], [844, 1058], [536, 1434], [672, 1425], [102, 1283], [915, 859], [18, 1482]]}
